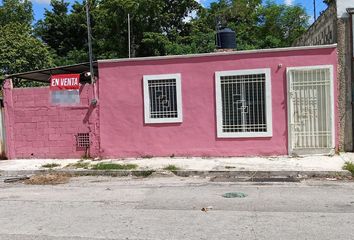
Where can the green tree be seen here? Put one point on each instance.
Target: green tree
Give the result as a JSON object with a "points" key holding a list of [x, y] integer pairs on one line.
{"points": [[239, 15], [64, 32], [163, 27], [16, 11], [257, 25], [281, 24], [20, 51], [149, 18], [53, 28]]}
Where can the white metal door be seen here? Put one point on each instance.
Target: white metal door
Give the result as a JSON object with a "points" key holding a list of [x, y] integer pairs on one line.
{"points": [[310, 110]]}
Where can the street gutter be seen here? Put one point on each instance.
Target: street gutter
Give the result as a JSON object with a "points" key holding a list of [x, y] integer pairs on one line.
{"points": [[212, 174]]}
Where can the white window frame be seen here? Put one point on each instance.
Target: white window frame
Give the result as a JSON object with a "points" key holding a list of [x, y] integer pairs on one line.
{"points": [[147, 113], [268, 104]]}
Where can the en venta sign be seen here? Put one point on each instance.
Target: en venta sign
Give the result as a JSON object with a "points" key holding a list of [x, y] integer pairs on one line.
{"points": [[65, 82], [64, 89]]}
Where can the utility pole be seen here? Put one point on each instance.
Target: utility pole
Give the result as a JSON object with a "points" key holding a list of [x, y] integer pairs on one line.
{"points": [[129, 35], [89, 39], [314, 10]]}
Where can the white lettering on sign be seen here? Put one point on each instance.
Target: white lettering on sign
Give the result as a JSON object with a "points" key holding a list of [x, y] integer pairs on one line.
{"points": [[69, 81], [55, 82], [65, 81]]}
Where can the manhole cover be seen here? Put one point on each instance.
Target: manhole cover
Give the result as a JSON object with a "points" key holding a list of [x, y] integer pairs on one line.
{"points": [[234, 195]]}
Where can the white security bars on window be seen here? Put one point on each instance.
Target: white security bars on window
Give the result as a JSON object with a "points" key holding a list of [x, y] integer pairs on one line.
{"points": [[162, 98], [83, 140], [243, 103]]}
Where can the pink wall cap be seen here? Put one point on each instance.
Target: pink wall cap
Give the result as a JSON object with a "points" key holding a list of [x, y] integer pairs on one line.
{"points": [[269, 50], [8, 84]]}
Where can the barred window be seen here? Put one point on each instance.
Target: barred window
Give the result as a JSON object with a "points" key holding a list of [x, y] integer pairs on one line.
{"points": [[244, 103], [162, 98]]}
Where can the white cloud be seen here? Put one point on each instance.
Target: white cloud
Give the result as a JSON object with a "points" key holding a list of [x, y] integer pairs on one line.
{"points": [[311, 20], [191, 15], [47, 2], [202, 2], [289, 2]]}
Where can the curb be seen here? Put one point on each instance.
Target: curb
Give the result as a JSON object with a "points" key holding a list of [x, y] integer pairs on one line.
{"points": [[213, 175]]}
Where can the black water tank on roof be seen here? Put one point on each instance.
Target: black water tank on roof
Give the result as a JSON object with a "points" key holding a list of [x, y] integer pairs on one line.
{"points": [[226, 39]]}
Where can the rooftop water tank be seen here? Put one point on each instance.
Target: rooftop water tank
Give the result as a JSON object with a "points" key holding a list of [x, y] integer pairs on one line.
{"points": [[226, 39]]}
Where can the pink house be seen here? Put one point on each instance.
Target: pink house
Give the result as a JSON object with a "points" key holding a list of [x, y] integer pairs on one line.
{"points": [[246, 103]]}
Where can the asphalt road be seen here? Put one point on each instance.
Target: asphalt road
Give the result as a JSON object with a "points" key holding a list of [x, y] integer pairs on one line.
{"points": [[170, 208]]}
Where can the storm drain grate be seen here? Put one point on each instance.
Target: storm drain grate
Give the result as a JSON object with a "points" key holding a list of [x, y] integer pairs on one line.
{"points": [[83, 140]]}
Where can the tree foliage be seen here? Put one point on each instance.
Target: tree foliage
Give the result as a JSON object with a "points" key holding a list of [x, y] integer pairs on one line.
{"points": [[158, 27], [65, 33], [19, 50], [160, 20], [16, 11], [281, 24]]}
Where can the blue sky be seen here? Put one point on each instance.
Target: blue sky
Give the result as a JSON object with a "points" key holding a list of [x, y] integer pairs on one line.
{"points": [[40, 5]]}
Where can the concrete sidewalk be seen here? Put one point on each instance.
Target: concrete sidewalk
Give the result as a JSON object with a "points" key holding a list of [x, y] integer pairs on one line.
{"points": [[321, 166], [325, 165]]}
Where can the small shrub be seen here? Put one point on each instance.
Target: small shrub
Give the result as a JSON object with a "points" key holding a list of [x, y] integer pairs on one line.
{"points": [[50, 165], [79, 164], [114, 166], [349, 166], [171, 168]]}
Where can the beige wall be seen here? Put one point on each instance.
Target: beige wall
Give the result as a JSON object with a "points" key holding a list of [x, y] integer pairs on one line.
{"points": [[333, 26]]}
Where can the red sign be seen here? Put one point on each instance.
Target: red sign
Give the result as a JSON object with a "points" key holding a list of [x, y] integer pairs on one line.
{"points": [[65, 82]]}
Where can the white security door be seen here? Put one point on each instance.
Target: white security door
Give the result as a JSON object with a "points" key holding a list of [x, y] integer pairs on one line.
{"points": [[310, 110]]}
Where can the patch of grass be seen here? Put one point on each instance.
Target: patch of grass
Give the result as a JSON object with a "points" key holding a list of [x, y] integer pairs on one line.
{"points": [[48, 179], [50, 165], [171, 168], [144, 173], [114, 166], [79, 164], [349, 166]]}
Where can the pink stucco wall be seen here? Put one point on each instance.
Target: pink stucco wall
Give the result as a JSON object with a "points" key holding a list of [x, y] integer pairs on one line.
{"points": [[124, 134], [36, 129]]}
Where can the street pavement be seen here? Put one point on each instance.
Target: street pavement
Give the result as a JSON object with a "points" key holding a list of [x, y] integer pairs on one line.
{"points": [[170, 208]]}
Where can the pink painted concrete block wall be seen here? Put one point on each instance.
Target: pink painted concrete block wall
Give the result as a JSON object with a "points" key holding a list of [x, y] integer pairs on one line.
{"points": [[36, 129], [124, 134]]}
